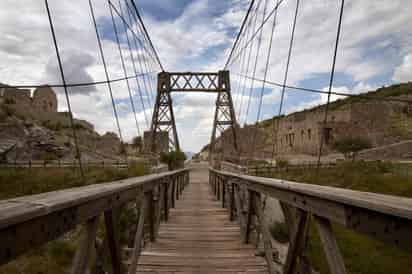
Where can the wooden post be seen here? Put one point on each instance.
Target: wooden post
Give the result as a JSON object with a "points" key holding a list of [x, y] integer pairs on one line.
{"points": [[85, 248], [158, 210], [113, 241], [166, 201], [232, 201], [177, 187], [249, 216], [296, 245], [330, 246], [173, 192], [150, 215], [223, 193], [239, 211], [218, 188], [267, 243], [288, 213], [138, 238]]}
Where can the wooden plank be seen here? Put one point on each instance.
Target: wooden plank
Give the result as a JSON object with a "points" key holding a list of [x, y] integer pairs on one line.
{"points": [[267, 243], [199, 238], [250, 212], [297, 244], [151, 215], [85, 248], [330, 246], [166, 202], [138, 238], [239, 211], [113, 240], [232, 201]]}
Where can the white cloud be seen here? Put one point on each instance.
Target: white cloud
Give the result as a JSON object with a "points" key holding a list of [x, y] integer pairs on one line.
{"points": [[403, 73], [376, 41]]}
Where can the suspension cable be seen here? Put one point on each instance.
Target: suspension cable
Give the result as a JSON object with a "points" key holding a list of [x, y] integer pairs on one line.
{"points": [[134, 68], [123, 66], [256, 63], [99, 42], [285, 79], [264, 77], [248, 61], [63, 78], [239, 33], [332, 75]]}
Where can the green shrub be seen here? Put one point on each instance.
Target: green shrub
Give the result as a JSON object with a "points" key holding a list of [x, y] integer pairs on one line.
{"points": [[350, 146], [173, 159], [61, 251], [282, 163], [48, 156], [137, 142], [280, 232]]}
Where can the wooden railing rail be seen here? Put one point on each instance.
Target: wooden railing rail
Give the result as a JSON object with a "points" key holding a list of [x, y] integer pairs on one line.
{"points": [[31, 221], [382, 217]]}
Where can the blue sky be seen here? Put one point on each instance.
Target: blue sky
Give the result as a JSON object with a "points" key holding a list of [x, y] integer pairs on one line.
{"points": [[196, 35]]}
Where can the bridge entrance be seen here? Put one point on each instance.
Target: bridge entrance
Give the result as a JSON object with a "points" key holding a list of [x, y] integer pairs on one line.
{"points": [[163, 119]]}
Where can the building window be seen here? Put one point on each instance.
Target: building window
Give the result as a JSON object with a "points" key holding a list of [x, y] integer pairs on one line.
{"points": [[327, 135], [309, 134]]}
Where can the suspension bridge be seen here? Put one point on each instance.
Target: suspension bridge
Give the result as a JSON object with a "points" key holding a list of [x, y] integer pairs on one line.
{"points": [[204, 218]]}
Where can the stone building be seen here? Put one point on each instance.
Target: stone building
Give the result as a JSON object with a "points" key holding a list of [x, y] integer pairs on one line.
{"points": [[379, 122], [162, 141], [43, 100], [41, 106], [382, 122]]}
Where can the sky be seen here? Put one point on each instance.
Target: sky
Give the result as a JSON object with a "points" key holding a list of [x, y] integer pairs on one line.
{"points": [[196, 35]]}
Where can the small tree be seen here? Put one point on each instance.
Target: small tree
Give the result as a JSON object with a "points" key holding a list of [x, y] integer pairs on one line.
{"points": [[137, 142], [173, 159], [350, 146]]}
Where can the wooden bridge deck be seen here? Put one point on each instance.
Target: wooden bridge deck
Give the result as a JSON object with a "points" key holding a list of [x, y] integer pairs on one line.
{"points": [[199, 238]]}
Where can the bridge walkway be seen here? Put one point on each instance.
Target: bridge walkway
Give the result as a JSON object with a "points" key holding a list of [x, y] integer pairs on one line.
{"points": [[199, 238]]}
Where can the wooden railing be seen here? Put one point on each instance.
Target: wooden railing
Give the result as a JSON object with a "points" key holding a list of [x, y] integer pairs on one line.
{"points": [[63, 164], [30, 221], [382, 217], [269, 170]]}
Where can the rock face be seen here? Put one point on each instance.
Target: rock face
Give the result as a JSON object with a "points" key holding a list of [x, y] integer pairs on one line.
{"points": [[382, 119], [31, 128]]}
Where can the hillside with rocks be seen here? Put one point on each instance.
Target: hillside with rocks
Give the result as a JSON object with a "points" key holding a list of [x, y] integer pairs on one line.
{"points": [[381, 118], [31, 128]]}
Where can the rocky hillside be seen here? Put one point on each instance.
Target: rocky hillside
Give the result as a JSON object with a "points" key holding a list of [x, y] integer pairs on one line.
{"points": [[31, 128], [33, 140], [382, 118]]}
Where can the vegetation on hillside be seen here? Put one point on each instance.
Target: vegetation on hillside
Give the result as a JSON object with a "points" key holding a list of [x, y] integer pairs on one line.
{"points": [[27, 181], [380, 93]]}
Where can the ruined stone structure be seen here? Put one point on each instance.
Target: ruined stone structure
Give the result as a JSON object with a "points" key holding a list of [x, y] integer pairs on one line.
{"points": [[40, 106], [43, 100], [381, 122], [162, 141]]}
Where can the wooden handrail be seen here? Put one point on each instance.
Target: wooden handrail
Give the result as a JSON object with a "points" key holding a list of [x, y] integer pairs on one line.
{"points": [[30, 221], [383, 217]]}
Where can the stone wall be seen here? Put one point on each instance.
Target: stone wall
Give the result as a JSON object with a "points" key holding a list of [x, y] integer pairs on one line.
{"points": [[374, 120], [43, 100], [162, 141]]}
